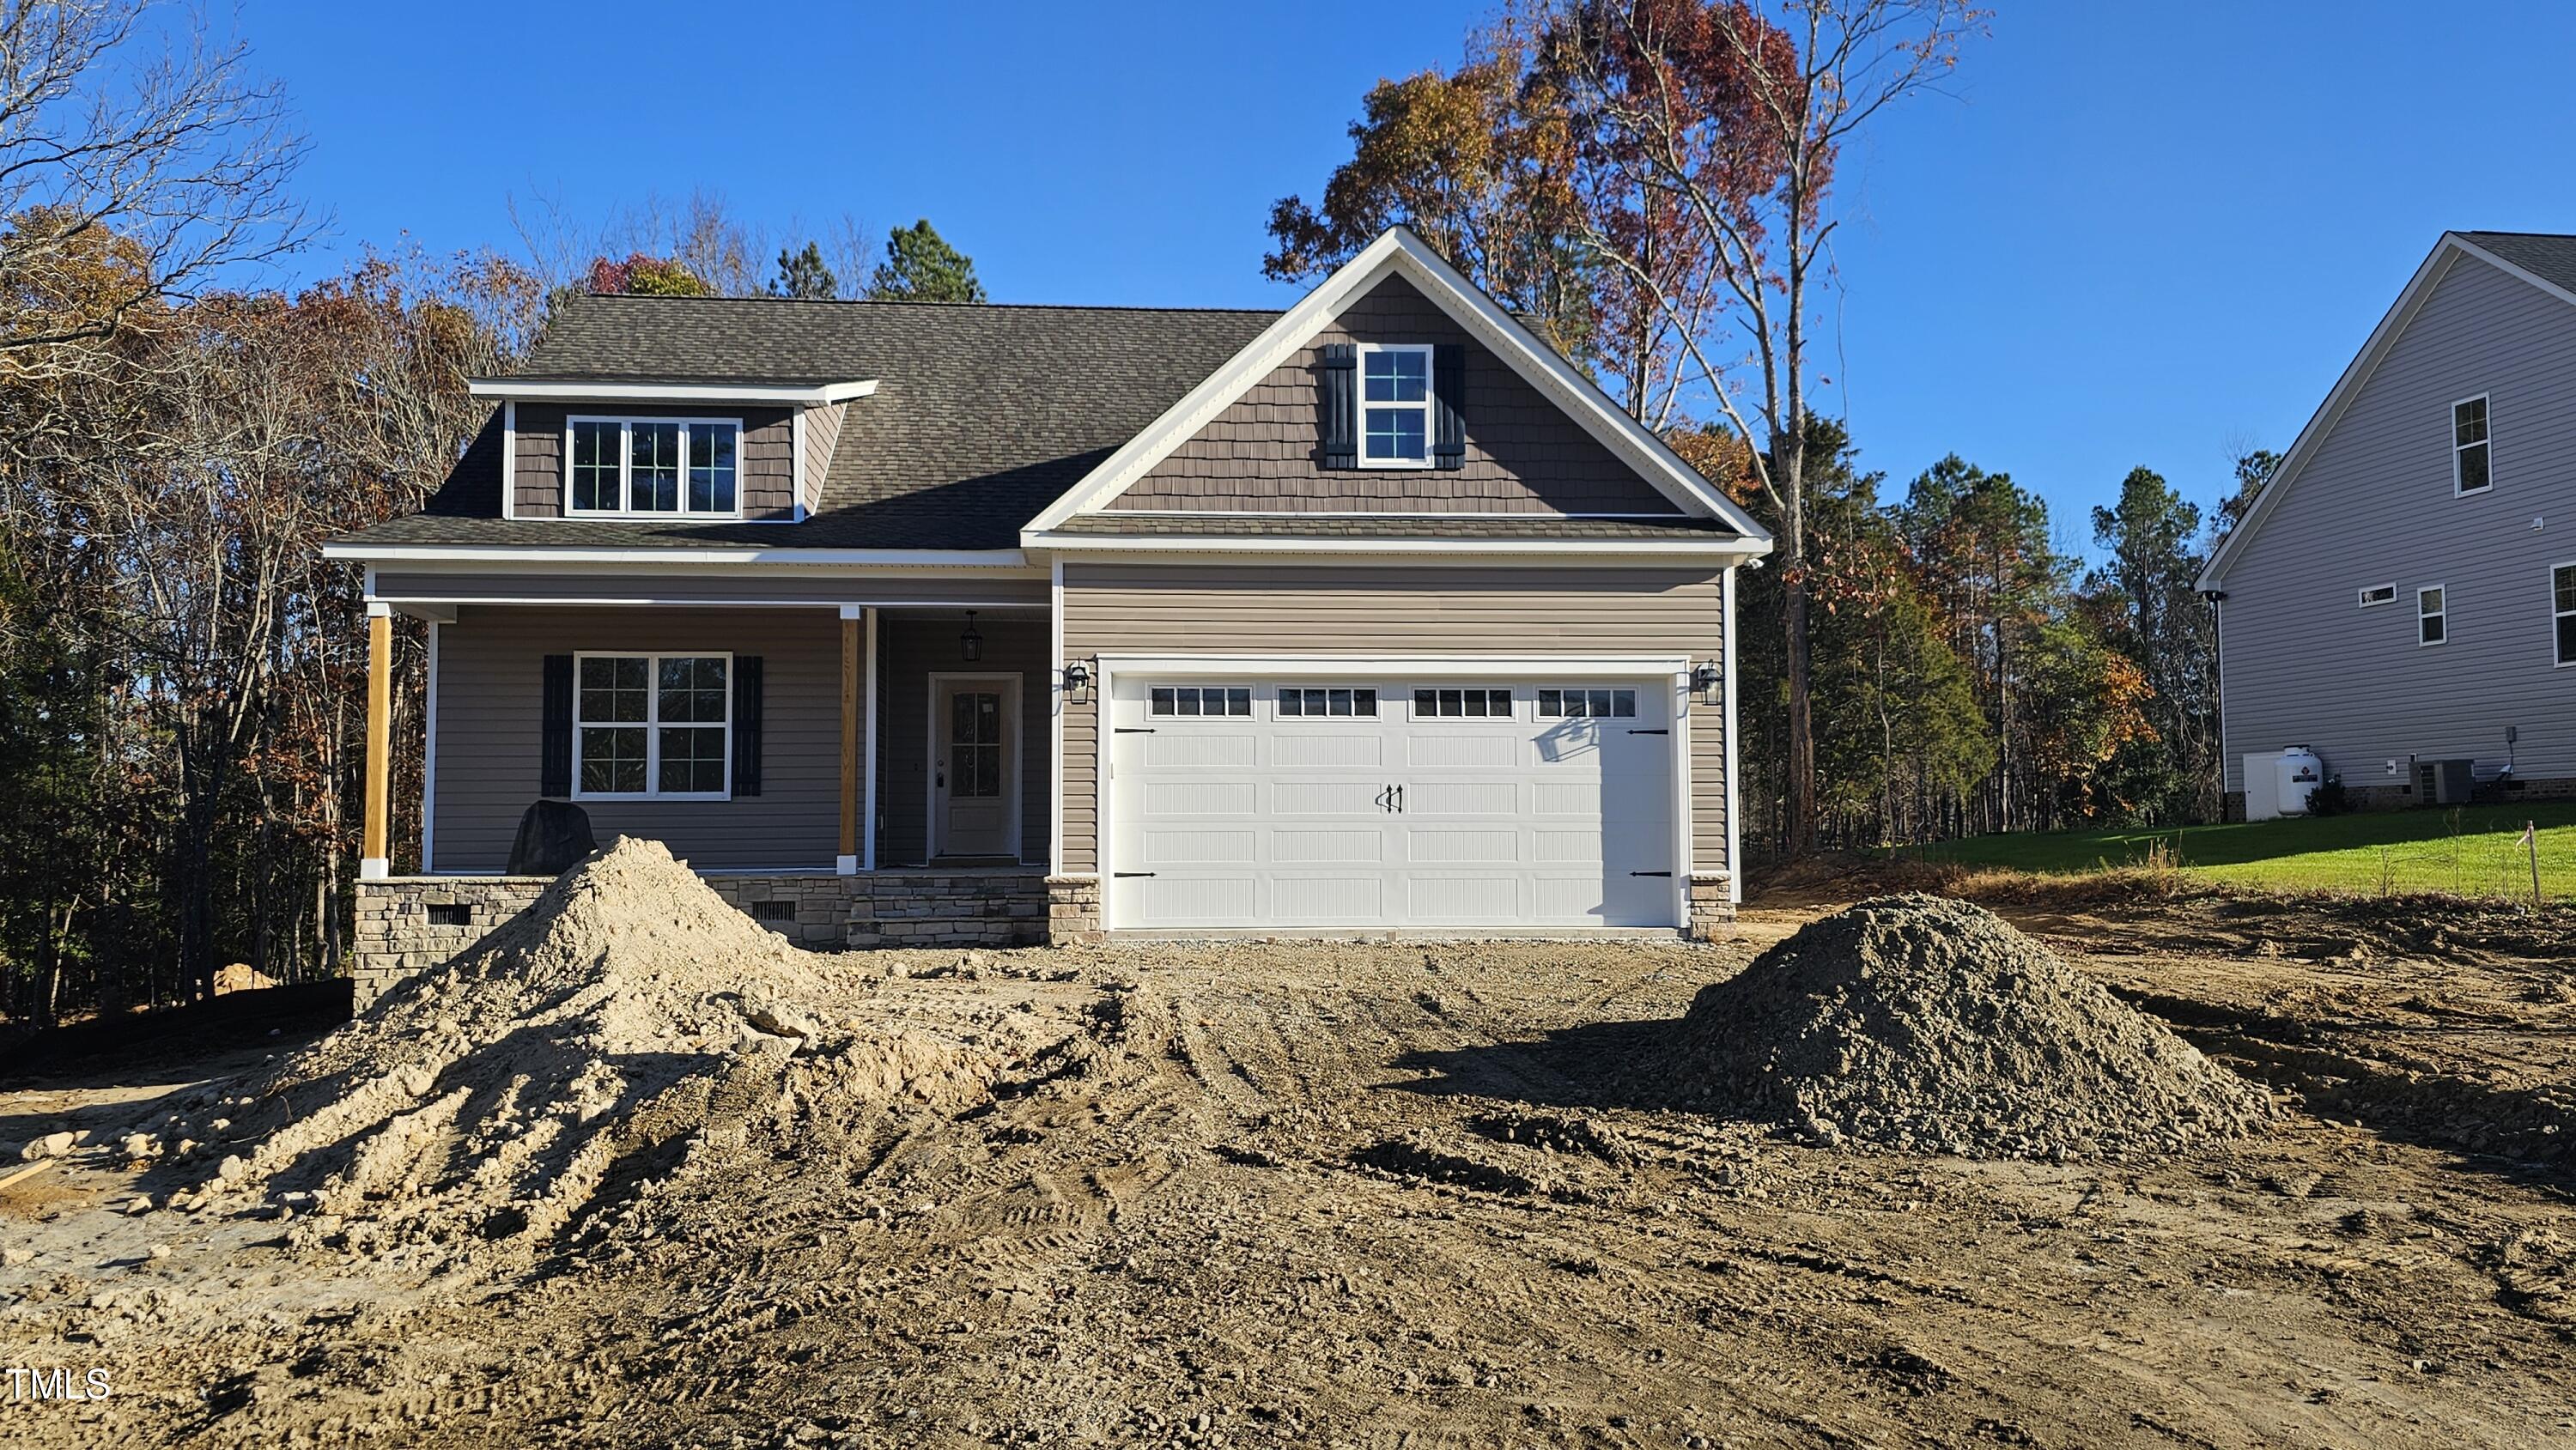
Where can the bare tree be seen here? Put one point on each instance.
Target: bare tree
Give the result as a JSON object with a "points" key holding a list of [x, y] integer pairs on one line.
{"points": [[1733, 114], [121, 134]]}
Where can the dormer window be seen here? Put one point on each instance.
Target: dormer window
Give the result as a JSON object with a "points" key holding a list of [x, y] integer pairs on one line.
{"points": [[651, 467], [1395, 407]]}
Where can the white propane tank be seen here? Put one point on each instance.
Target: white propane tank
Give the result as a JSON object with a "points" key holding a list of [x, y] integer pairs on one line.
{"points": [[2301, 772]]}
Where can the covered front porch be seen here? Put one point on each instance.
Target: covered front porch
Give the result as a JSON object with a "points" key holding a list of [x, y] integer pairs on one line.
{"points": [[859, 766]]}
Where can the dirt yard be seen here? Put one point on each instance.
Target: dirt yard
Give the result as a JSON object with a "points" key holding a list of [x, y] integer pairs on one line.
{"points": [[1394, 1196]]}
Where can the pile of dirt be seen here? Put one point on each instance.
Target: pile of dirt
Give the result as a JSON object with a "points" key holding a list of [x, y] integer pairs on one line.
{"points": [[1925, 1024], [627, 1024]]}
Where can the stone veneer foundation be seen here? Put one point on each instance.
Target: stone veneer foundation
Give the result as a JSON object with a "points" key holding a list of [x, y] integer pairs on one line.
{"points": [[397, 937], [1712, 905]]}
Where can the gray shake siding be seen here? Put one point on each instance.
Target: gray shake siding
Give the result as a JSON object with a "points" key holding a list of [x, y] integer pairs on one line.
{"points": [[2306, 666], [766, 468], [1357, 609], [491, 664], [1524, 455]]}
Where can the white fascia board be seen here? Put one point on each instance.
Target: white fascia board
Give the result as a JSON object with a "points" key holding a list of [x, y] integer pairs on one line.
{"points": [[537, 390], [1463, 666], [1570, 550], [2419, 289], [1399, 251], [686, 560]]}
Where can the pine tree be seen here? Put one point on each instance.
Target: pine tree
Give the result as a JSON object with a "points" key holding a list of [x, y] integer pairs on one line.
{"points": [[920, 266], [803, 275]]}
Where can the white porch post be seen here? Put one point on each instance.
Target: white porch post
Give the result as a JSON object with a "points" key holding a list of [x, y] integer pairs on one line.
{"points": [[852, 688]]}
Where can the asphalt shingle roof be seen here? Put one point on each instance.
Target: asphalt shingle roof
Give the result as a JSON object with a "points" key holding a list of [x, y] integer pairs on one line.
{"points": [[982, 416], [2546, 255]]}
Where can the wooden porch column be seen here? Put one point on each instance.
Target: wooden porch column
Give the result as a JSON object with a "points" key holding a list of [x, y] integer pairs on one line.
{"points": [[851, 684], [380, 694]]}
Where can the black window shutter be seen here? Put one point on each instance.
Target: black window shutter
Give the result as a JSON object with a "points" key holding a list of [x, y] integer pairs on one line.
{"points": [[1448, 405], [1341, 365], [746, 725], [555, 735]]}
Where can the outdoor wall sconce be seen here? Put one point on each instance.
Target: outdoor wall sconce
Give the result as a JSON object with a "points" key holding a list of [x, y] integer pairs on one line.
{"points": [[1707, 677], [971, 643], [1077, 683]]}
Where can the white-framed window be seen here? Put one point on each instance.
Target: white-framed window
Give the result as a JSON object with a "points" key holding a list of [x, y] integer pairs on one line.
{"points": [[2472, 469], [1395, 406], [1202, 700], [1578, 704], [2562, 610], [653, 725], [1327, 701], [1469, 703], [2374, 595], [2432, 622], [647, 467]]}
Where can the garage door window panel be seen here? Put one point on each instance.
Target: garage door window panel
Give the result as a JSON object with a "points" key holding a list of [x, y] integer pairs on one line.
{"points": [[1345, 701]]}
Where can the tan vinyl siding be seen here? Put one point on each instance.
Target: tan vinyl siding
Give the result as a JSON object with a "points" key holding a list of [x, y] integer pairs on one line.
{"points": [[2306, 665], [1251, 609], [765, 468], [910, 647], [822, 435], [1524, 455], [789, 586], [491, 664]]}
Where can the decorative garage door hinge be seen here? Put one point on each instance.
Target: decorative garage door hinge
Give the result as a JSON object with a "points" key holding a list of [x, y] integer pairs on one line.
{"points": [[1650, 732], [1123, 875], [1131, 729], [1650, 873]]}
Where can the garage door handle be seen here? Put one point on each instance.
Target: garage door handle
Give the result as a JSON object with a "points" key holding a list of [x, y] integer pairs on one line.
{"points": [[1650, 873], [1399, 800]]}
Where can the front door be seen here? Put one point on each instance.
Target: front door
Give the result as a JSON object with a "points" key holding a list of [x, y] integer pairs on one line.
{"points": [[973, 768]]}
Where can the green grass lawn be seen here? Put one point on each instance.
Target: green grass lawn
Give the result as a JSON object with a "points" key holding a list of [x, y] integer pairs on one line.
{"points": [[2472, 850]]}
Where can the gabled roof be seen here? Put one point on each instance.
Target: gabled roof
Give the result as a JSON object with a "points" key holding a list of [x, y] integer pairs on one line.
{"points": [[1399, 252], [981, 415], [2545, 260]]}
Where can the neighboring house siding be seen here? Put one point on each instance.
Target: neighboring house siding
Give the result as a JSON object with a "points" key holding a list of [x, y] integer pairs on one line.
{"points": [[817, 587], [822, 435], [2373, 505], [491, 665], [766, 468], [910, 647], [1427, 611], [1524, 455]]}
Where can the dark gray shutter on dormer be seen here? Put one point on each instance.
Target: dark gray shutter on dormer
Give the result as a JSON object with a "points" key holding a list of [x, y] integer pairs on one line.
{"points": [[1340, 366], [746, 725], [554, 733], [1448, 405]]}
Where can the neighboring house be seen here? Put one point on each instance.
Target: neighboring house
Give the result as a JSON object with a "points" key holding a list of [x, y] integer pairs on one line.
{"points": [[2402, 598], [926, 623]]}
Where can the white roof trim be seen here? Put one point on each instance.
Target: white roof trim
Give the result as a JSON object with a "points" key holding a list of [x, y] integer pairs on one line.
{"points": [[2419, 289], [1400, 252], [529, 389], [1702, 549], [681, 557]]}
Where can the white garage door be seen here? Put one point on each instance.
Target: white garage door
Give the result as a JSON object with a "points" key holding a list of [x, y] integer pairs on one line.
{"points": [[1391, 802]]}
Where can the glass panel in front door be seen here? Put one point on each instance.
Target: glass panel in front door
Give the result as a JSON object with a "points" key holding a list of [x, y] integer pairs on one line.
{"points": [[975, 744]]}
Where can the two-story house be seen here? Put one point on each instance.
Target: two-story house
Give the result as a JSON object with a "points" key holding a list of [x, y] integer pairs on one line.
{"points": [[912, 623], [2401, 599]]}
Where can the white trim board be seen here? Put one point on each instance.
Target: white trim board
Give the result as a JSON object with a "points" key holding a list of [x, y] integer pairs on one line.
{"points": [[2401, 314], [685, 558], [1398, 252], [1714, 550], [539, 389]]}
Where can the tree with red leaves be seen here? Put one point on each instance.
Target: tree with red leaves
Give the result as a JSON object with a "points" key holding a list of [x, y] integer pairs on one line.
{"points": [[1720, 121]]}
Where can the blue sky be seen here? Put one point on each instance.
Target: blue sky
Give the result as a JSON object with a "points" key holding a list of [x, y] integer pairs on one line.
{"points": [[2127, 235]]}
